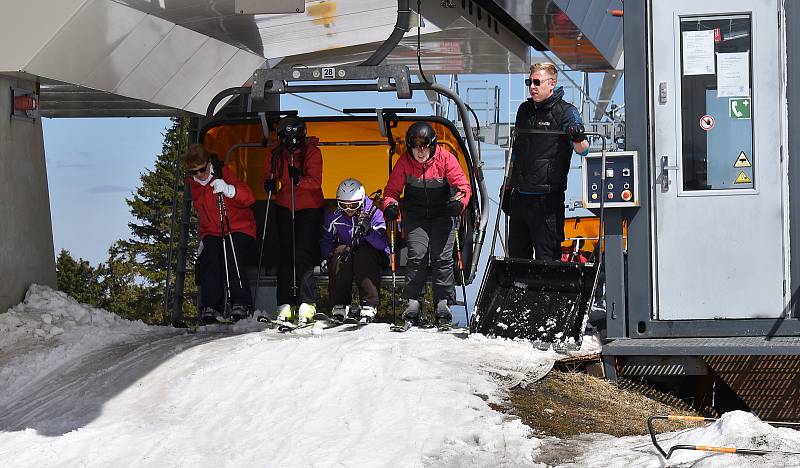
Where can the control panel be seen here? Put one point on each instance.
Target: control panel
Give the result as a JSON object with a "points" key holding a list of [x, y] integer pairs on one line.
{"points": [[619, 188]]}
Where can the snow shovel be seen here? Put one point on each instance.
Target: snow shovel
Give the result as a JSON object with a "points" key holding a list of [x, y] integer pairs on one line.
{"points": [[538, 300]]}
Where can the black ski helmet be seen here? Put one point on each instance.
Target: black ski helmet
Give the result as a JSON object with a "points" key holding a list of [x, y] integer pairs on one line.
{"points": [[291, 132], [421, 134]]}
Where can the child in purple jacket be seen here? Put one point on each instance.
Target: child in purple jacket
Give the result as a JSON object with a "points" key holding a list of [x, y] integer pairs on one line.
{"points": [[355, 246]]}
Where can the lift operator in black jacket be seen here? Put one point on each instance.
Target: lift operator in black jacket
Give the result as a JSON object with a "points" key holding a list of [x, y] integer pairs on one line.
{"points": [[533, 197]]}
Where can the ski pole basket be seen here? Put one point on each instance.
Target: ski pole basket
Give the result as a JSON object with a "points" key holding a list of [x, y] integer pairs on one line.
{"points": [[542, 301]]}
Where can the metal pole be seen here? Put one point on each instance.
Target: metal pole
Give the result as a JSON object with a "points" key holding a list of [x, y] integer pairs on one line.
{"points": [[183, 244], [178, 151]]}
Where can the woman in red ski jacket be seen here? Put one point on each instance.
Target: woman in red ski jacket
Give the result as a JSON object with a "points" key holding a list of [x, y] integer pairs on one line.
{"points": [[209, 180], [296, 161], [436, 190]]}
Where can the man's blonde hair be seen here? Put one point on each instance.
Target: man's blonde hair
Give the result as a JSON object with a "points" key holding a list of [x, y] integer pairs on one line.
{"points": [[547, 67]]}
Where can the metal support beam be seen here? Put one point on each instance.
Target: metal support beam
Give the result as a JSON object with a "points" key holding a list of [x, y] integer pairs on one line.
{"points": [[615, 275], [183, 247]]}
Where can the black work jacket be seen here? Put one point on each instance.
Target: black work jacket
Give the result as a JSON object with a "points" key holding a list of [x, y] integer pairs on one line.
{"points": [[541, 160]]}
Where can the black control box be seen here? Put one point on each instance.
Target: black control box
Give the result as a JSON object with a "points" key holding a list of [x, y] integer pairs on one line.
{"points": [[619, 188]]}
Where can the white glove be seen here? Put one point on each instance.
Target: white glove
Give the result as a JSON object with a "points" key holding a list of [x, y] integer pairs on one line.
{"points": [[220, 186]]}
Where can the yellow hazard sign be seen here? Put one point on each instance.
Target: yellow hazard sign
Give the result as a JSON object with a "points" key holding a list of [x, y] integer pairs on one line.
{"points": [[743, 179], [742, 161]]}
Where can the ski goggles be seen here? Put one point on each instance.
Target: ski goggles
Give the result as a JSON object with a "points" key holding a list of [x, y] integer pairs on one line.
{"points": [[419, 143], [535, 81], [198, 170], [349, 206]]}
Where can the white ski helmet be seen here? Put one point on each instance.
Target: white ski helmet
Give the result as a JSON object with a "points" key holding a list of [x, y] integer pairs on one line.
{"points": [[350, 196]]}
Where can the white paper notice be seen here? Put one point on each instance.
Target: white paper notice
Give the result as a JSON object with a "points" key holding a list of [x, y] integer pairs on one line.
{"points": [[698, 52], [733, 75]]}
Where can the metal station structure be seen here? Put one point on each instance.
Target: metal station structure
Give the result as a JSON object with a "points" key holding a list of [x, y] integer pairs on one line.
{"points": [[705, 284]]}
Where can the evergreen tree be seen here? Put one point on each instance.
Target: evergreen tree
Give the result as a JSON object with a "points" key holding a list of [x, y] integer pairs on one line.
{"points": [[151, 207], [121, 292], [78, 279]]}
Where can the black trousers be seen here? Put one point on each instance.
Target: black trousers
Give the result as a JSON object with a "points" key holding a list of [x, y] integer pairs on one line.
{"points": [[211, 271], [536, 226], [308, 228], [365, 265], [430, 242]]}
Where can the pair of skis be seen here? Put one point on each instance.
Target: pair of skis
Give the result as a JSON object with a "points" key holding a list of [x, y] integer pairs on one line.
{"points": [[285, 327], [442, 326]]}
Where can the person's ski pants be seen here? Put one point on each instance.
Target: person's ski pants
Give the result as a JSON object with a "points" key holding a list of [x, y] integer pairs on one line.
{"points": [[211, 271], [536, 226], [430, 242], [307, 229], [365, 265]]}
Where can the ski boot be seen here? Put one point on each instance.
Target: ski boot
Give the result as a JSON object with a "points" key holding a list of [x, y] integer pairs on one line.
{"points": [[305, 313], [208, 316], [239, 312], [444, 317], [284, 314], [340, 312], [367, 314], [410, 316]]}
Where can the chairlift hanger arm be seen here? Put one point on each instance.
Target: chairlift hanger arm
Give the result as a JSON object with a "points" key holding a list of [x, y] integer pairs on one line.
{"points": [[275, 80]]}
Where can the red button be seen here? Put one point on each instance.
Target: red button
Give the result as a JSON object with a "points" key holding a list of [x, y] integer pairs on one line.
{"points": [[627, 195]]}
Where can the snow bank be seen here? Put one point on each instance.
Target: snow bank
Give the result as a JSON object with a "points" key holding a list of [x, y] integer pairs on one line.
{"points": [[50, 328]]}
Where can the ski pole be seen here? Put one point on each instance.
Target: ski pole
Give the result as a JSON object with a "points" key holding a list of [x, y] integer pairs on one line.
{"points": [[226, 284], [394, 276], [461, 272], [233, 247], [294, 241], [261, 249]]}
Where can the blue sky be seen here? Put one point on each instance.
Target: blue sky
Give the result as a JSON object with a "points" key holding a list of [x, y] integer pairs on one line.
{"points": [[94, 164]]}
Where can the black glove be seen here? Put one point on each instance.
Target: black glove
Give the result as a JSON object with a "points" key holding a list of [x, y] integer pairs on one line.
{"points": [[364, 224], [270, 186], [507, 194], [391, 212], [576, 133], [294, 174], [454, 208]]}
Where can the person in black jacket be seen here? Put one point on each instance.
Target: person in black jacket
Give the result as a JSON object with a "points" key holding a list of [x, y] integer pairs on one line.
{"points": [[534, 195]]}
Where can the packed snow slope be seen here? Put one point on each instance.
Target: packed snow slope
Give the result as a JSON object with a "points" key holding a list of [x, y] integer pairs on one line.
{"points": [[82, 387]]}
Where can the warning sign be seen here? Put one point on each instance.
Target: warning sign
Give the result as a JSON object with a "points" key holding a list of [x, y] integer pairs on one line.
{"points": [[743, 179], [742, 161], [706, 122]]}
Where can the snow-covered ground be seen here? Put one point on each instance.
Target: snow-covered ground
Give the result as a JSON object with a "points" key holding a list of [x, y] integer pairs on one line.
{"points": [[81, 387]]}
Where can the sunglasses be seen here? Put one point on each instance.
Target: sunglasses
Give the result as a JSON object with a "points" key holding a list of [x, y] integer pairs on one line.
{"points": [[197, 171], [349, 205], [535, 81], [419, 143]]}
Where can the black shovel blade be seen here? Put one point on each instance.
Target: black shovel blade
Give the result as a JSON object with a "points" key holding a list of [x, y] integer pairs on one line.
{"points": [[541, 301]]}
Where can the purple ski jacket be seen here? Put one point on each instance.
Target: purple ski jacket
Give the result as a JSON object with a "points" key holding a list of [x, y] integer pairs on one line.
{"points": [[337, 229]]}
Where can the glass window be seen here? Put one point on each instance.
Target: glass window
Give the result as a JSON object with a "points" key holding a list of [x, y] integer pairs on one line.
{"points": [[716, 103]]}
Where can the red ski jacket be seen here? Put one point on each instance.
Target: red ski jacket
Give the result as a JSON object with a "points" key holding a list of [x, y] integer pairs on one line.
{"points": [[204, 201], [308, 160]]}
